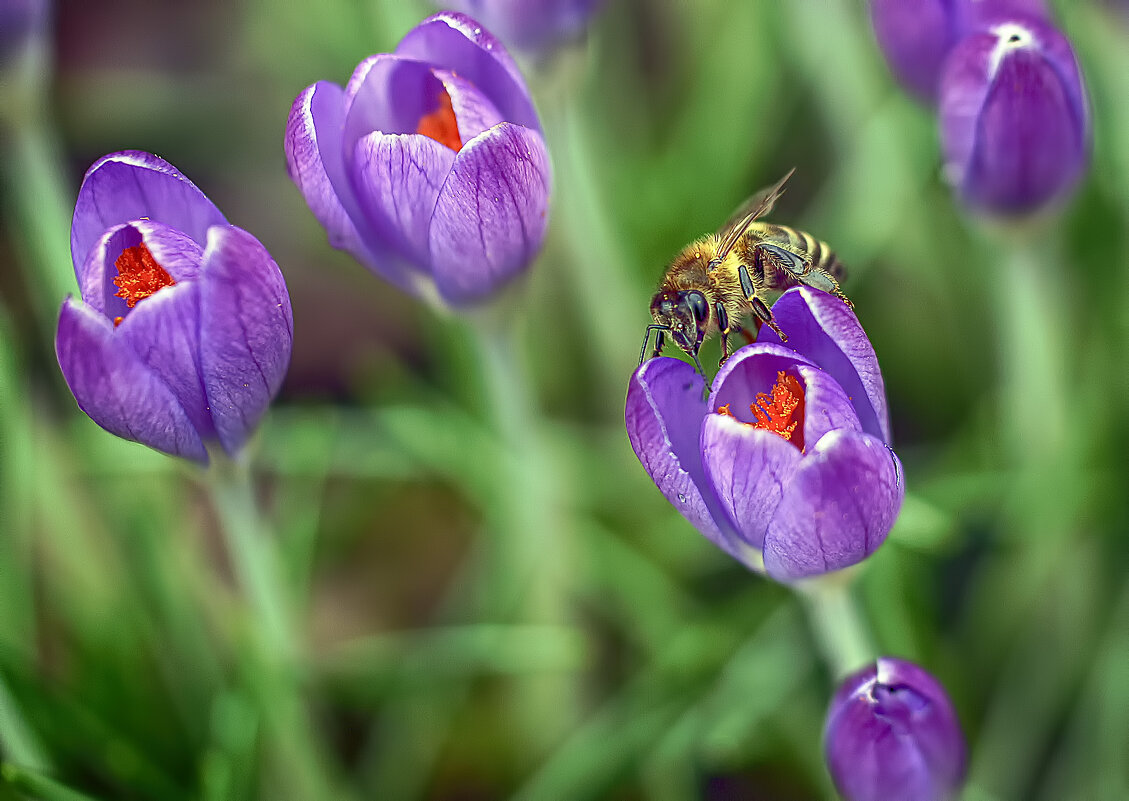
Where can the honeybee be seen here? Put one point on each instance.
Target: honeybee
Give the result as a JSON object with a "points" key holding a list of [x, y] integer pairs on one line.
{"points": [[718, 280]]}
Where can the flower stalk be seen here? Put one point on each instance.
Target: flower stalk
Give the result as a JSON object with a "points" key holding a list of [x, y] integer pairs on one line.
{"points": [[272, 662], [840, 630], [531, 561]]}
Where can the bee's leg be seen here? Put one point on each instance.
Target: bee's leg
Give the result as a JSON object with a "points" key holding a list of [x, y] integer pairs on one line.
{"points": [[658, 341], [784, 264], [762, 312], [723, 325], [646, 338]]}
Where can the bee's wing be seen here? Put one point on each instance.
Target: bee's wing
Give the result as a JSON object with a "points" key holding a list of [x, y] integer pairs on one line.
{"points": [[758, 205]]}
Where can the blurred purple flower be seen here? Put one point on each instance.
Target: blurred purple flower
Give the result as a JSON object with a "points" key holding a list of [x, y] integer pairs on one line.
{"points": [[430, 166], [184, 330], [917, 35], [787, 466], [892, 733], [20, 21], [1015, 123], [531, 24]]}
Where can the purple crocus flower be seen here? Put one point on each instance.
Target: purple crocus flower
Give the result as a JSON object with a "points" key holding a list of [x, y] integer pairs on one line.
{"points": [[531, 24], [892, 733], [20, 22], [916, 36], [787, 466], [1015, 123], [183, 333], [429, 166]]}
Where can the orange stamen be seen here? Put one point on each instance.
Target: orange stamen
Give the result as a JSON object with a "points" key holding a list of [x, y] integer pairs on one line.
{"points": [[441, 124], [781, 411], [139, 276]]}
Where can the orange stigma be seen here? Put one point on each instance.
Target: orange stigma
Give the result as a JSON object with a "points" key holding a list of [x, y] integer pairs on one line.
{"points": [[781, 411], [441, 124], [139, 276]]}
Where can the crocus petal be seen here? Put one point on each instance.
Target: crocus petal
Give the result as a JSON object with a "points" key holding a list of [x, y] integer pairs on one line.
{"points": [[837, 509], [823, 330], [316, 163], [748, 468], [116, 389], [474, 112], [174, 250], [664, 417], [915, 36], [398, 178], [891, 732], [531, 24], [164, 332], [491, 215], [754, 369], [456, 42], [132, 185], [390, 94], [246, 332]]}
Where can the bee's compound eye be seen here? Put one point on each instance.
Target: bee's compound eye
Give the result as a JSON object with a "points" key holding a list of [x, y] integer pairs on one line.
{"points": [[697, 303]]}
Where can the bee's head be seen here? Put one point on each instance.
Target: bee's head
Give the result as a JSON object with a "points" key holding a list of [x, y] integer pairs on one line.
{"points": [[685, 313]]}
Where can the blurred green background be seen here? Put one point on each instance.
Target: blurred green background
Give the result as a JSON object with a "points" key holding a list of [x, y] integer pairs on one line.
{"points": [[490, 597]]}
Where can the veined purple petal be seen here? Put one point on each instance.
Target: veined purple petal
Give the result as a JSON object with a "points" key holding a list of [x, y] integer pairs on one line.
{"points": [[491, 215], [456, 42], [316, 164], [390, 94], [164, 332], [1014, 116], [664, 417], [398, 178], [132, 185], [474, 112], [174, 250], [837, 509], [246, 332], [891, 732], [748, 468], [823, 330], [118, 391]]}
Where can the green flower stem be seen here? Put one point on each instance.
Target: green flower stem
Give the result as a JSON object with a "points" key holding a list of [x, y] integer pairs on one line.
{"points": [[37, 199], [529, 572], [839, 629], [595, 263], [271, 663]]}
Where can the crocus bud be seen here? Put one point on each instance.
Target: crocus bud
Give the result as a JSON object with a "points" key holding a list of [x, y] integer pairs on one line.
{"points": [[892, 733], [184, 330], [916, 36], [1015, 124], [787, 467], [20, 21], [429, 167], [531, 24]]}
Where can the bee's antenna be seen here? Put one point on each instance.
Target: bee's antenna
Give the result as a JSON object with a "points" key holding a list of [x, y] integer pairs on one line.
{"points": [[698, 364]]}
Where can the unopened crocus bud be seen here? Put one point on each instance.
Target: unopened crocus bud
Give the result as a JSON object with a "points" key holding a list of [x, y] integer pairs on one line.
{"points": [[892, 733], [787, 466], [1015, 123], [531, 24], [20, 22], [916, 36], [184, 330], [429, 166]]}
